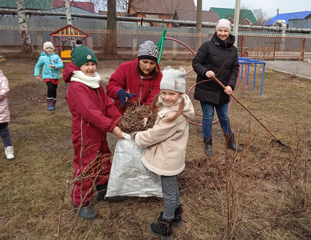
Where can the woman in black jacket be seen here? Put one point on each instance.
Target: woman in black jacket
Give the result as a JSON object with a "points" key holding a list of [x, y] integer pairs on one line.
{"points": [[217, 57]]}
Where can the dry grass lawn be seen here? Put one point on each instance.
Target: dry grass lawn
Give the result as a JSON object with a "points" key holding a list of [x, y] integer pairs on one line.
{"points": [[261, 193]]}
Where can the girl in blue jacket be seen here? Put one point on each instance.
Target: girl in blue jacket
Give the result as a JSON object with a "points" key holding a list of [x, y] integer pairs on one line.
{"points": [[51, 62]]}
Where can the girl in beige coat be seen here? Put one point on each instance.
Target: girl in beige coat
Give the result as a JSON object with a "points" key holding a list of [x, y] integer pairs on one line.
{"points": [[5, 117], [166, 145]]}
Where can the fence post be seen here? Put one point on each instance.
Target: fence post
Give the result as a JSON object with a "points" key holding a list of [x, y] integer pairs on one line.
{"points": [[39, 39], [174, 49], [134, 44], [303, 49], [242, 46]]}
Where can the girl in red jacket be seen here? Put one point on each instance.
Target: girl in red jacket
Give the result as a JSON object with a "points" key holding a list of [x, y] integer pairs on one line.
{"points": [[137, 80], [93, 114]]}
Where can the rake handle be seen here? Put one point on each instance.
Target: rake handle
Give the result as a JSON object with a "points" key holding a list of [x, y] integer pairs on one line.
{"points": [[248, 110]]}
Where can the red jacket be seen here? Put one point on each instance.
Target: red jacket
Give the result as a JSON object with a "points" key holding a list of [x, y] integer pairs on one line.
{"points": [[93, 114], [127, 77]]}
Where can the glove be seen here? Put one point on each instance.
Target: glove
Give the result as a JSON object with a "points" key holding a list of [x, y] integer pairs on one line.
{"points": [[123, 95]]}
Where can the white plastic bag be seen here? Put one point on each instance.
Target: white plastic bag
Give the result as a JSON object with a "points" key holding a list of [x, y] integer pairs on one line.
{"points": [[128, 175]]}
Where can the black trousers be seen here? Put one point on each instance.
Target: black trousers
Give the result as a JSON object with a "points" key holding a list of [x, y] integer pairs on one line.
{"points": [[51, 89]]}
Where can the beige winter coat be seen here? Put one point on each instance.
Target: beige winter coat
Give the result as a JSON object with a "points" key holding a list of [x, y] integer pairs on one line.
{"points": [[4, 91], [166, 142]]}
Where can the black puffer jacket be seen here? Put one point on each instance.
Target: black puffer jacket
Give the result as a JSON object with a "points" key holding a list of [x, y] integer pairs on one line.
{"points": [[221, 57]]}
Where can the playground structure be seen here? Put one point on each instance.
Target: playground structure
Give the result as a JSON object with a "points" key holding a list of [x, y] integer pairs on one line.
{"points": [[242, 61], [68, 34]]}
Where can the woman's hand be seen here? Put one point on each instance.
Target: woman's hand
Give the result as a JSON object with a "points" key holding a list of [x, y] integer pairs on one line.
{"points": [[210, 74], [228, 90], [117, 132], [52, 66], [38, 79]]}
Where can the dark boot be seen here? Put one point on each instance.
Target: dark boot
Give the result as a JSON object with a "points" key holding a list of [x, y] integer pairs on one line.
{"points": [[177, 221], [231, 143], [208, 149], [50, 103], [162, 229], [86, 212], [101, 196]]}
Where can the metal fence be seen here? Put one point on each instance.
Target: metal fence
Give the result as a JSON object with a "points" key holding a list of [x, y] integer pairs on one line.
{"points": [[277, 47]]}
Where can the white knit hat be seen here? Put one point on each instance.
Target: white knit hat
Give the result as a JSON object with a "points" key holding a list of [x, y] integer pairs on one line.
{"points": [[48, 44], [173, 79], [223, 23], [148, 50]]}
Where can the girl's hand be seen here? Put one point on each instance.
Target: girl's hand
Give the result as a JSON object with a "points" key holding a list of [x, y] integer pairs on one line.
{"points": [[133, 134], [38, 79], [2, 97], [228, 90], [52, 66], [117, 132], [210, 74]]}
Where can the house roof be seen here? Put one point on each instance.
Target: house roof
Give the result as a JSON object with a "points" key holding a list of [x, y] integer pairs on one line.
{"points": [[33, 4], [191, 15], [89, 6], [229, 12], [162, 6], [287, 16]]}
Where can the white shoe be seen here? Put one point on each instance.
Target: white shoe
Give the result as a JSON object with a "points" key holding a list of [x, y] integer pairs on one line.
{"points": [[9, 152]]}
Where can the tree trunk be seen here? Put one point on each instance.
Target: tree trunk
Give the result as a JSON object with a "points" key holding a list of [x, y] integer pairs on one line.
{"points": [[27, 47], [111, 37], [68, 12]]}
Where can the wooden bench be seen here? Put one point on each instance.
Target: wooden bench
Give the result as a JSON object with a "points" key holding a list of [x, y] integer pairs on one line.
{"points": [[66, 56]]}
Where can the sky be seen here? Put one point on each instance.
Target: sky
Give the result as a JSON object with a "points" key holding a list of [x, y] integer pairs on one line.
{"points": [[268, 6]]}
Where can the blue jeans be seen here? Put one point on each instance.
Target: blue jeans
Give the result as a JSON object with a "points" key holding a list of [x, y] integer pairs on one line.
{"points": [[208, 115], [5, 134]]}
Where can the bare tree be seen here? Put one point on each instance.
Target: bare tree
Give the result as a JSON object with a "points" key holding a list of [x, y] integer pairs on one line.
{"points": [[27, 47], [261, 16]]}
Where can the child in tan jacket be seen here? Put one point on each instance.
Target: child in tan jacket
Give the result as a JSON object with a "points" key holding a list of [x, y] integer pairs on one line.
{"points": [[166, 145]]}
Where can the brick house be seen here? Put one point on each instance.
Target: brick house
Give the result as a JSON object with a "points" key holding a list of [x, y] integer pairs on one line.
{"points": [[163, 9]]}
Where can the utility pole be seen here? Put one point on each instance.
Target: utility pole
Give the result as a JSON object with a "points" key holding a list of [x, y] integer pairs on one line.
{"points": [[236, 21], [277, 11], [68, 12], [199, 24]]}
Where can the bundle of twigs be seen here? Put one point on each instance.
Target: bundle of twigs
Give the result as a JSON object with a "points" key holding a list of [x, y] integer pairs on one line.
{"points": [[136, 118]]}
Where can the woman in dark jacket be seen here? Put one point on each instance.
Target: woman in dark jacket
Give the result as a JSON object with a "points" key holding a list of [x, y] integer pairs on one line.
{"points": [[217, 57]]}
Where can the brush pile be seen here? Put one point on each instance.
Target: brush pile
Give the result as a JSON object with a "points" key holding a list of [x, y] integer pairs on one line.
{"points": [[136, 118]]}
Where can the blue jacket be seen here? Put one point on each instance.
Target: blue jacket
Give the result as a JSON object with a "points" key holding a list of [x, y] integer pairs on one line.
{"points": [[48, 72]]}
